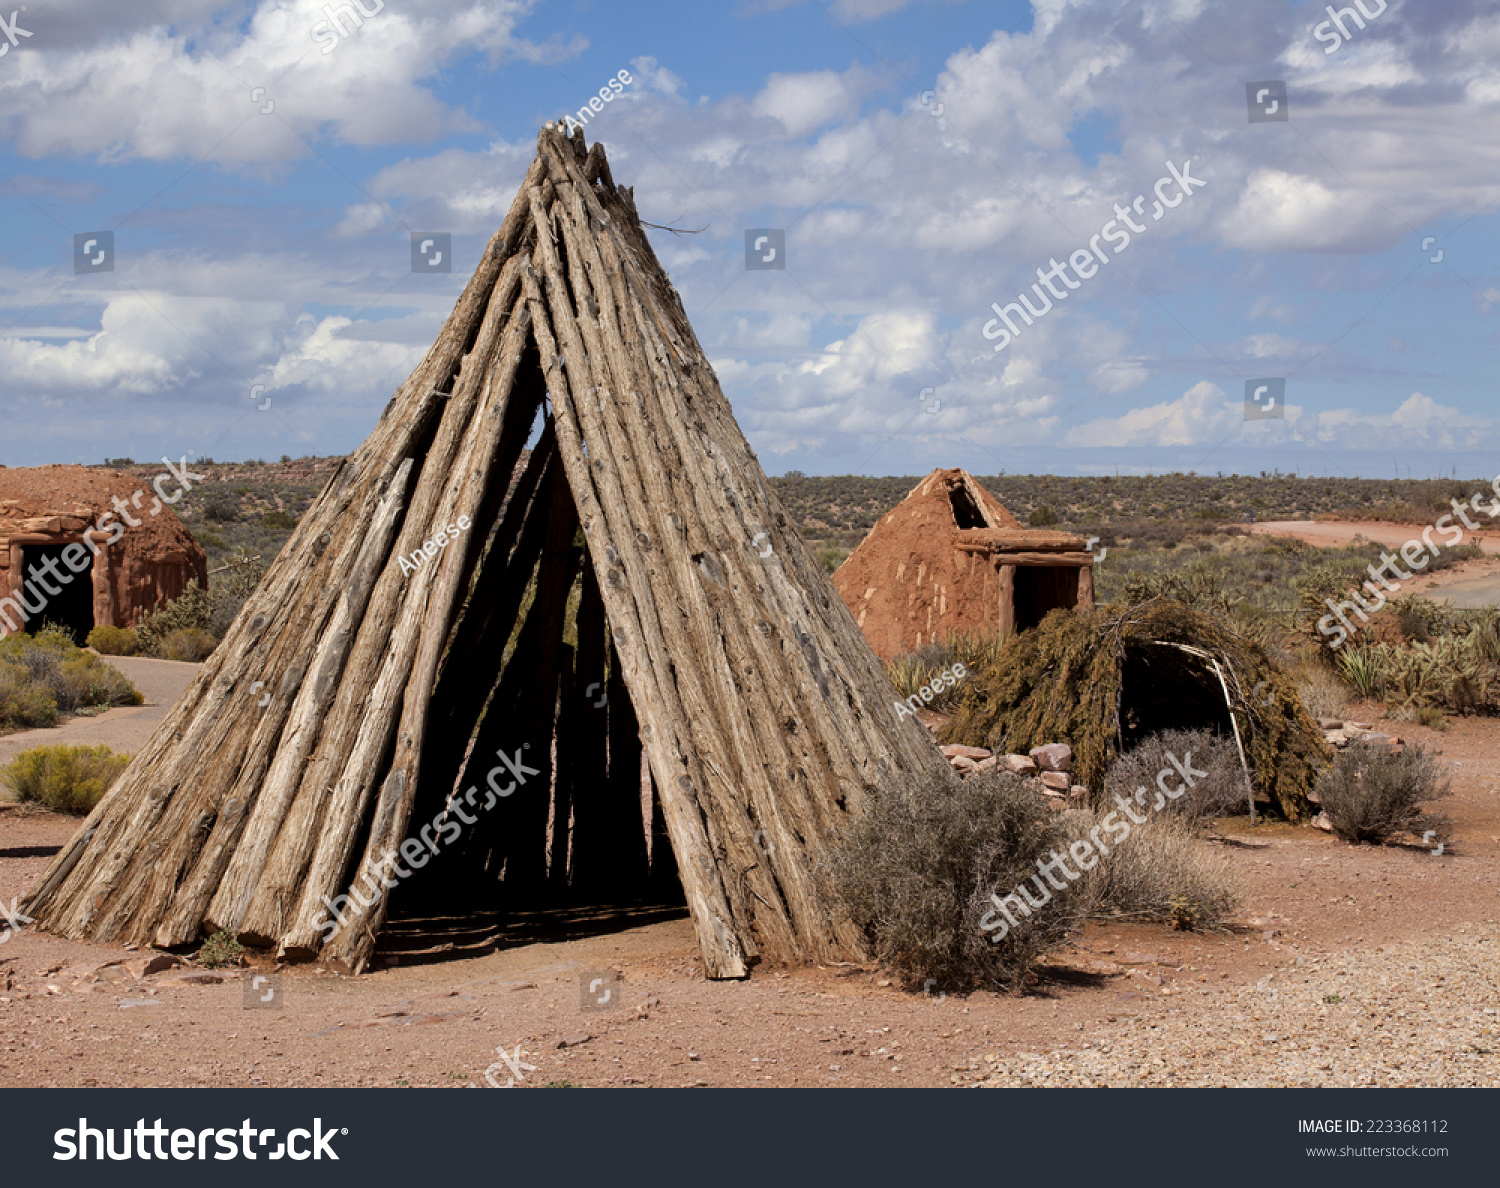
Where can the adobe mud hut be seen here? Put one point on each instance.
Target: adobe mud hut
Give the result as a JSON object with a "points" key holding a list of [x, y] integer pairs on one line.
{"points": [[86, 548], [384, 736], [950, 559]]}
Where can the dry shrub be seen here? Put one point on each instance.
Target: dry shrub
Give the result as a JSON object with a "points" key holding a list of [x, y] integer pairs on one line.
{"points": [[1371, 795], [1162, 872], [917, 870], [1221, 793], [1324, 695], [188, 644], [68, 779]]}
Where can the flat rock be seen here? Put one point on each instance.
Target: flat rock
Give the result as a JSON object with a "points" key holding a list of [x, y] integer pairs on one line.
{"points": [[1053, 756], [1078, 791], [1020, 764], [958, 750], [1058, 781], [1330, 724], [1322, 822], [572, 1041], [199, 977], [144, 967], [963, 763]]}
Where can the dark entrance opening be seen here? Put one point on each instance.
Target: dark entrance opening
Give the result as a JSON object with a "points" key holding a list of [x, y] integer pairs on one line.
{"points": [[1043, 588], [72, 606], [534, 817], [1163, 688], [966, 512]]}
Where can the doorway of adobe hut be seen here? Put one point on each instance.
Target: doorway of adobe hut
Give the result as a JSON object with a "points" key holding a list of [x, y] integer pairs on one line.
{"points": [[63, 598]]}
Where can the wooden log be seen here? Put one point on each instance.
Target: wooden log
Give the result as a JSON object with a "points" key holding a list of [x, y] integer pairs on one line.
{"points": [[1007, 599], [427, 615], [1086, 587], [583, 749], [722, 948]]}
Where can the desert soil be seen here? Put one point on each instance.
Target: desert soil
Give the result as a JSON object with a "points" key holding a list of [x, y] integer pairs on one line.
{"points": [[1347, 966], [1469, 585]]}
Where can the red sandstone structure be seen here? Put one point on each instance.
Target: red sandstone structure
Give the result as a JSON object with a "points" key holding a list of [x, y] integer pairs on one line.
{"points": [[113, 572], [950, 559]]}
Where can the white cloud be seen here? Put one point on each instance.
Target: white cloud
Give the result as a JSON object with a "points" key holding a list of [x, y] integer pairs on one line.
{"points": [[1199, 415]]}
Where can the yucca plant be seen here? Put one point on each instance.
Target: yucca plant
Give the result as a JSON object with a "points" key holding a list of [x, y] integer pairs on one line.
{"points": [[1358, 671]]}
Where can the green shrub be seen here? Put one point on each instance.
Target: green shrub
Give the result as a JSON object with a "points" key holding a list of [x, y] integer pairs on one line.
{"points": [[1370, 795], [1432, 718], [68, 779], [92, 681], [45, 675], [1161, 873], [917, 870], [191, 609], [1043, 517], [114, 641], [278, 519], [222, 948], [913, 671], [187, 644], [23, 705]]}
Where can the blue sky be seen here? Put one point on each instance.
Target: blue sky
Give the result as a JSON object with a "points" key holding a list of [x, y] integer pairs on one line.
{"points": [[925, 158]]}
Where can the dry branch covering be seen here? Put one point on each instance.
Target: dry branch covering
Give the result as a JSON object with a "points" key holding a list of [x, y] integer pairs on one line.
{"points": [[355, 695], [1103, 680]]}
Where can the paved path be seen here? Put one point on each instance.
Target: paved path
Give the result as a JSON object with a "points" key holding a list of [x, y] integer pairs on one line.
{"points": [[161, 682]]}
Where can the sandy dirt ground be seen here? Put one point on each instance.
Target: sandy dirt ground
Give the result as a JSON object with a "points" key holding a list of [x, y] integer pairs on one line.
{"points": [[76, 1014], [1470, 585]]}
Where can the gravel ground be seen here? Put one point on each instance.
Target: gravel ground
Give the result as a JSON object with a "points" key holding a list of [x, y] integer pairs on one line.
{"points": [[1418, 1013]]}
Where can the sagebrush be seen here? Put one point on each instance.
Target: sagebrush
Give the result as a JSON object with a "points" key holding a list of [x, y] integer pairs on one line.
{"points": [[1370, 795], [1161, 873], [916, 872], [1219, 793], [67, 779]]}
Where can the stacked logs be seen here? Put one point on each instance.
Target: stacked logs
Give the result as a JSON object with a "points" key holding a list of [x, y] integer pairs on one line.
{"points": [[639, 556]]}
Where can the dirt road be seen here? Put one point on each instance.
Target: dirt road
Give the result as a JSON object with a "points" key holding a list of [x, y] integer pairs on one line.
{"points": [[1471, 585]]}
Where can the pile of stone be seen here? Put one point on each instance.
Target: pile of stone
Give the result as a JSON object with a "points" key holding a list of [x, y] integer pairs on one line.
{"points": [[1341, 734], [1048, 766]]}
